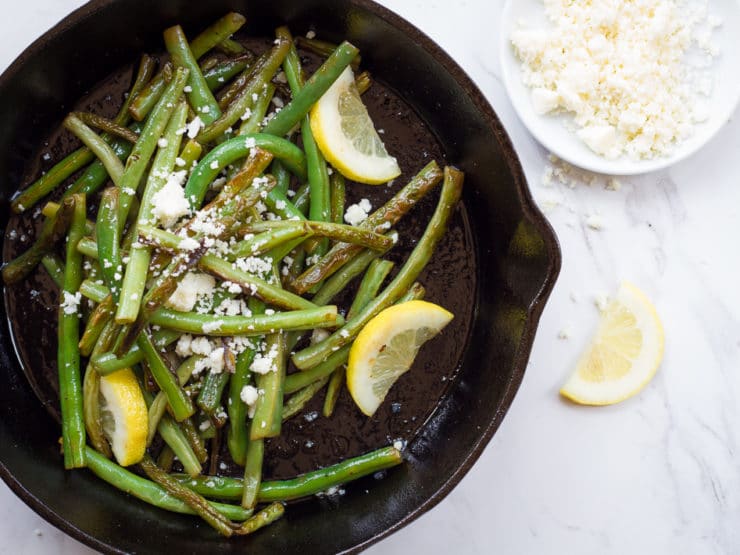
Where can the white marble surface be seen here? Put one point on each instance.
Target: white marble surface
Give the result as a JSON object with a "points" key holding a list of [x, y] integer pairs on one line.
{"points": [[656, 474]]}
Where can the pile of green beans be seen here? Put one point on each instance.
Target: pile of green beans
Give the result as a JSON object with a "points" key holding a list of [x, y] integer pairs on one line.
{"points": [[259, 219]]}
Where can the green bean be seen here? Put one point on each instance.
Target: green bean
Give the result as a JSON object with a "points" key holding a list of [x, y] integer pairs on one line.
{"points": [[171, 433], [417, 260], [109, 240], [336, 232], [68, 352], [267, 421], [222, 72], [267, 241], [263, 518], [258, 111], [180, 403], [109, 126], [324, 49], [282, 176], [300, 380], [252, 472], [385, 217], [142, 152], [148, 97], [199, 95], [230, 47], [194, 440], [336, 382], [370, 284], [260, 74], [363, 82], [237, 437], [97, 145], [148, 491], [302, 198], [301, 398], [311, 483], [91, 395], [314, 88], [337, 194], [203, 324], [234, 149], [158, 405], [210, 394], [269, 293], [337, 282], [95, 176], [88, 247], [52, 232], [190, 154], [55, 267], [190, 498], [96, 323], [46, 183], [134, 278], [216, 33], [166, 458]]}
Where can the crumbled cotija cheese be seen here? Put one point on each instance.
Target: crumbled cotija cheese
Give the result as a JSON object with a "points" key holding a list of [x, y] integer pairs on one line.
{"points": [[357, 213], [169, 203], [188, 290], [620, 67]]}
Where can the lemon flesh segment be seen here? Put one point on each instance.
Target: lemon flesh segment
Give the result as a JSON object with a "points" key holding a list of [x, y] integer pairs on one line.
{"points": [[623, 356], [346, 136], [386, 348], [124, 415]]}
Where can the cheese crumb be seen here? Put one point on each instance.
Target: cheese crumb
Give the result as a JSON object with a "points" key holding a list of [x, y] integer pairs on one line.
{"points": [[71, 302], [188, 290], [169, 203], [357, 213]]}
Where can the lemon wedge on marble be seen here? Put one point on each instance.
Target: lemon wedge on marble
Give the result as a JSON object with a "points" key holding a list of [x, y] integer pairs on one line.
{"points": [[386, 348], [346, 136], [624, 354], [124, 414]]}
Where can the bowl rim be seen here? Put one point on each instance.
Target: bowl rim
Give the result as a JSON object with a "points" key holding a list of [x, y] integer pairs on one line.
{"points": [[529, 209]]}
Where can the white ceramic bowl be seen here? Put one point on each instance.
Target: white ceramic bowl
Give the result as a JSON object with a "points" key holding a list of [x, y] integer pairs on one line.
{"points": [[551, 131]]}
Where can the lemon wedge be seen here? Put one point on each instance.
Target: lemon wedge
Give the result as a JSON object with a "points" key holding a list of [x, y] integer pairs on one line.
{"points": [[623, 356], [386, 348], [124, 414], [346, 136]]}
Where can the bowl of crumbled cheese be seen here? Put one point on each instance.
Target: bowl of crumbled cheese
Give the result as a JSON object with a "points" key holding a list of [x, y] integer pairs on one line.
{"points": [[622, 87]]}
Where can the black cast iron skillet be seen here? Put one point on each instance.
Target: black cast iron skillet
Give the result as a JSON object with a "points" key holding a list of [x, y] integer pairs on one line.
{"points": [[496, 269]]}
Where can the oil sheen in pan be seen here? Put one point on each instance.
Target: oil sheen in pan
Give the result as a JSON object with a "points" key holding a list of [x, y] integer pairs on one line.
{"points": [[306, 443]]}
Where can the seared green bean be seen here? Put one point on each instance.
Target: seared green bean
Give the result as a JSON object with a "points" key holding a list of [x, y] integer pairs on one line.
{"points": [[148, 97], [109, 126], [417, 260], [260, 74], [337, 194], [324, 48], [55, 267], [383, 218], [311, 483], [235, 149], [265, 517], [134, 279], [267, 414], [199, 95], [155, 125], [216, 33], [97, 145], [180, 403], [109, 240], [301, 398], [252, 472], [314, 88], [68, 351], [336, 382], [52, 232], [219, 74], [370, 284], [258, 111], [148, 491]]}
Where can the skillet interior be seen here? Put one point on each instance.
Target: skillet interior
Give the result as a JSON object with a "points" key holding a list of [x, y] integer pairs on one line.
{"points": [[516, 254]]}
